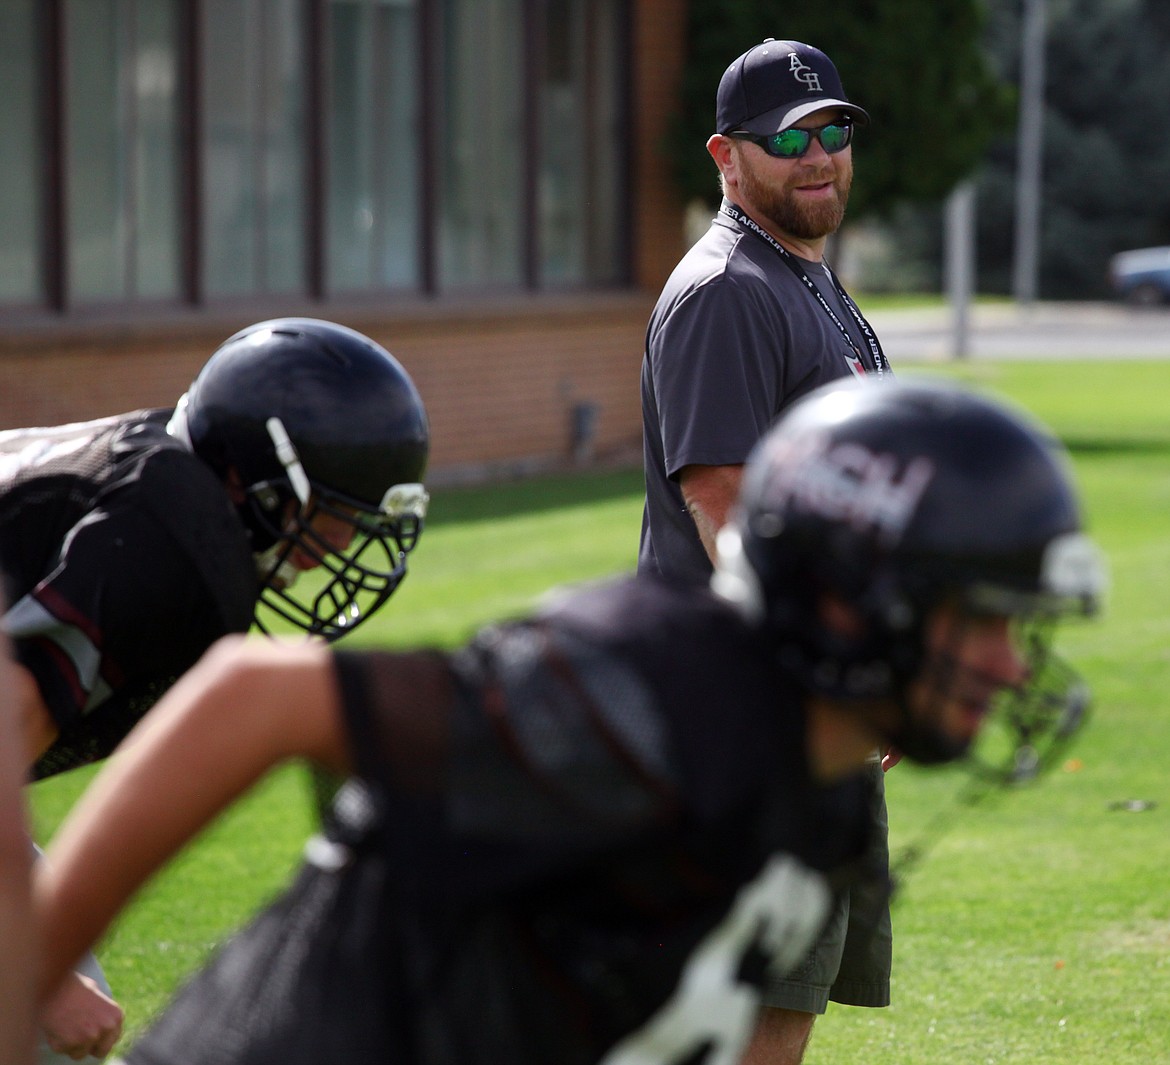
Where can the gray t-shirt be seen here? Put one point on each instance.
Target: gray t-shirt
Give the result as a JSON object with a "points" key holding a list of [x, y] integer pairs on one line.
{"points": [[735, 337]]}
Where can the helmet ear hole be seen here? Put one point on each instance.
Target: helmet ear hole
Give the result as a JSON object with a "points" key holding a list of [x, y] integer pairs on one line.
{"points": [[890, 601], [267, 498], [264, 515]]}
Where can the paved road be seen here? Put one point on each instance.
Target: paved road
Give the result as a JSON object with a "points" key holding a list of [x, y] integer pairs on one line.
{"points": [[1043, 330]]}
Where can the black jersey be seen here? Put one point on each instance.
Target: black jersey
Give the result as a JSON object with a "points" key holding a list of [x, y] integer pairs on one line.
{"points": [[123, 560], [596, 850]]}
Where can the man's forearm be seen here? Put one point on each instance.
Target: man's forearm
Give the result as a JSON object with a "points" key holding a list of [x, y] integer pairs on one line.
{"points": [[238, 713], [709, 493]]}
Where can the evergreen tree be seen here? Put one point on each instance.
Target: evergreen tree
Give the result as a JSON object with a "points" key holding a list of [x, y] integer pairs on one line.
{"points": [[1105, 171], [917, 66]]}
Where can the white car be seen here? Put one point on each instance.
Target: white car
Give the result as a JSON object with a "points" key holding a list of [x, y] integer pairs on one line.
{"points": [[1141, 276]]}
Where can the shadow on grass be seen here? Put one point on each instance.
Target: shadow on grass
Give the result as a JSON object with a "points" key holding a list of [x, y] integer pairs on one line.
{"points": [[532, 495], [1105, 447]]}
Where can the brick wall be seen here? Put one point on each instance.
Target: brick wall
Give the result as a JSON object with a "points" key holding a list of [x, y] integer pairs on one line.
{"points": [[501, 381], [657, 216], [501, 390], [500, 384]]}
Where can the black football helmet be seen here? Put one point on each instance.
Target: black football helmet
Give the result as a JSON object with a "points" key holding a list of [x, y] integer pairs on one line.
{"points": [[893, 497], [314, 426]]}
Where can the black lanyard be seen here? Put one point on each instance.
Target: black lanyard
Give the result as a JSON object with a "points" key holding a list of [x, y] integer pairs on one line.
{"points": [[790, 260]]}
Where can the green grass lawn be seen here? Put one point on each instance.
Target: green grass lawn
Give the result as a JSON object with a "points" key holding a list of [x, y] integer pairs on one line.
{"points": [[1036, 929]]}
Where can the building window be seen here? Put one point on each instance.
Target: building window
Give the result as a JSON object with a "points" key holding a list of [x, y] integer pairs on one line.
{"points": [[20, 203], [481, 145], [236, 150], [252, 148], [580, 142], [373, 174], [122, 150]]}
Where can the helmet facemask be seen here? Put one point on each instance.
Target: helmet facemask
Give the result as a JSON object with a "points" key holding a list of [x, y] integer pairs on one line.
{"points": [[358, 578], [327, 584], [1031, 721], [1038, 721], [1018, 720], [1025, 723]]}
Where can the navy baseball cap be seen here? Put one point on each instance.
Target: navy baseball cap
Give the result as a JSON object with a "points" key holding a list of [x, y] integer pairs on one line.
{"points": [[775, 84]]}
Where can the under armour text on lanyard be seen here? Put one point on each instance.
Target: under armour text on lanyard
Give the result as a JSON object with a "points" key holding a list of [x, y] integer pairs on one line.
{"points": [[790, 260]]}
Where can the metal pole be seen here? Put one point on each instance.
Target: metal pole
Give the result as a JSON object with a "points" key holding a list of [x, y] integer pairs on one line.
{"points": [[1030, 145], [960, 260]]}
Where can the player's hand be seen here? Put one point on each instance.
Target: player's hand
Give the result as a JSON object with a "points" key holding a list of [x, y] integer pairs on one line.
{"points": [[890, 759], [80, 1021]]}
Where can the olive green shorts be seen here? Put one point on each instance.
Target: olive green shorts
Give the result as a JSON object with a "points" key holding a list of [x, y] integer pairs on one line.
{"points": [[851, 961]]}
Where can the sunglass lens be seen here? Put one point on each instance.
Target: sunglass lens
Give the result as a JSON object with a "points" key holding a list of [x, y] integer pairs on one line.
{"points": [[789, 143], [834, 138]]}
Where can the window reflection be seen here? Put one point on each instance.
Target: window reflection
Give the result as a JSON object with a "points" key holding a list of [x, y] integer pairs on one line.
{"points": [[122, 149]]}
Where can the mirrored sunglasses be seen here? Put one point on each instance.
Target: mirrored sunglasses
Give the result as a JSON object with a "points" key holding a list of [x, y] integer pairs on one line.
{"points": [[792, 143]]}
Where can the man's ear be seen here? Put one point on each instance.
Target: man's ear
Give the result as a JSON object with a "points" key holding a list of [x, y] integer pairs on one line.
{"points": [[722, 150]]}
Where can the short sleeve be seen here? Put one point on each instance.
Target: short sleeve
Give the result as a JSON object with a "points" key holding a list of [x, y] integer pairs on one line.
{"points": [[120, 606], [716, 362]]}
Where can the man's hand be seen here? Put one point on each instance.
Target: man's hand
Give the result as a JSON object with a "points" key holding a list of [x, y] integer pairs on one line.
{"points": [[890, 759], [79, 1020]]}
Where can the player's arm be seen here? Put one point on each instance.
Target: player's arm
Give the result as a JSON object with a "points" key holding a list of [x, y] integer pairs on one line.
{"points": [[16, 933], [79, 1019], [709, 493], [246, 707], [37, 728]]}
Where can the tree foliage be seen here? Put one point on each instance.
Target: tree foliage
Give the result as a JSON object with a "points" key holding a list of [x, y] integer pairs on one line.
{"points": [[1105, 171], [917, 66]]}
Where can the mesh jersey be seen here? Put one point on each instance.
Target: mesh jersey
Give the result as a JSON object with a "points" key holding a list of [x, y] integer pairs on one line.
{"points": [[607, 795], [123, 560]]}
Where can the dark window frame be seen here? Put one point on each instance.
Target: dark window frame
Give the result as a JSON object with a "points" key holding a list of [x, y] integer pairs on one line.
{"points": [[57, 298]]}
